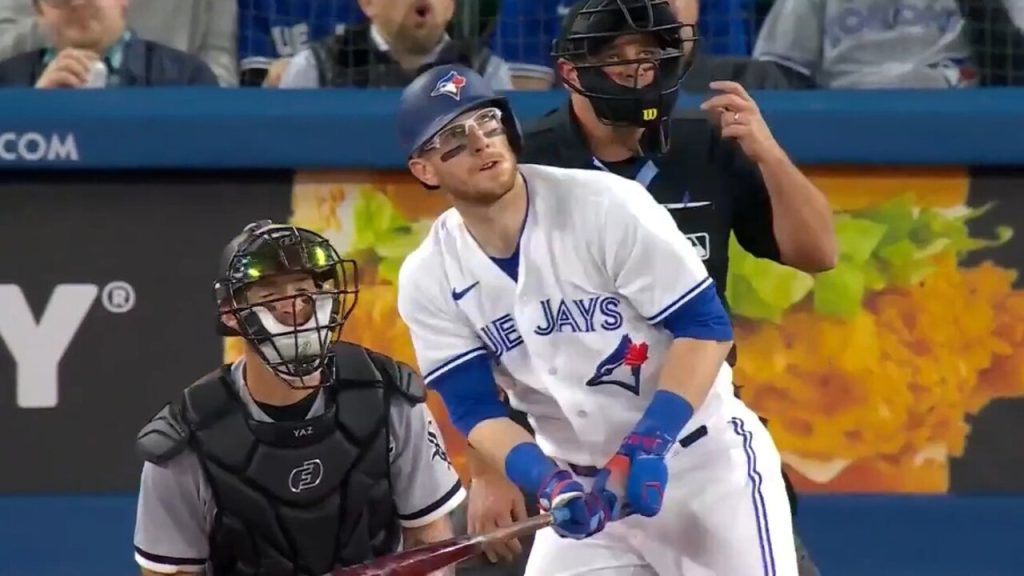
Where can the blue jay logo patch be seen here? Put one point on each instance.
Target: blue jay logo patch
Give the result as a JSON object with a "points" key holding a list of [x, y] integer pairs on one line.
{"points": [[450, 85], [622, 367]]}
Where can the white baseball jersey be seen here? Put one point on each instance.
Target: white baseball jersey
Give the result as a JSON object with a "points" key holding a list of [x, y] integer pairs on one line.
{"points": [[574, 340]]}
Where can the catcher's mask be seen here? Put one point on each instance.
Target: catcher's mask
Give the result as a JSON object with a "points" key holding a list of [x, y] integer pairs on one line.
{"points": [[274, 270], [588, 34]]}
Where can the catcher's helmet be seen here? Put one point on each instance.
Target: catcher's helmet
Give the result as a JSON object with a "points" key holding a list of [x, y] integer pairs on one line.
{"points": [[439, 95], [264, 250], [592, 25]]}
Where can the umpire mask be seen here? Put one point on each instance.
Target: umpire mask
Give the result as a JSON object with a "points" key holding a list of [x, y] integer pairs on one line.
{"points": [[628, 85], [290, 293]]}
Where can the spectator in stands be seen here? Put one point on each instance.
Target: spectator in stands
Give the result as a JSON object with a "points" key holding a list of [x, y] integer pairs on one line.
{"points": [[399, 38], [19, 31], [205, 28], [91, 45], [871, 44], [995, 32], [271, 31]]}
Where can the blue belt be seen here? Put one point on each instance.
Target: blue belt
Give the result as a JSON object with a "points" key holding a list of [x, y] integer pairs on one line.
{"points": [[686, 441]]}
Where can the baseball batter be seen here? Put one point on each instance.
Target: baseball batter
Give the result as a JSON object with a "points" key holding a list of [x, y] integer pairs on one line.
{"points": [[575, 292]]}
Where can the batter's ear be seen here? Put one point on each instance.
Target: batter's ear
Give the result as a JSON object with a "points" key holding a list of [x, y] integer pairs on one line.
{"points": [[424, 172]]}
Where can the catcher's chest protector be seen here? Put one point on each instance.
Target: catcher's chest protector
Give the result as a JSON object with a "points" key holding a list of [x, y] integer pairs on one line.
{"points": [[295, 498]]}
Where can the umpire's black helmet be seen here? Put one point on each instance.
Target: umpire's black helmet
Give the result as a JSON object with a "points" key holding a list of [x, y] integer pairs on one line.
{"points": [[592, 25]]}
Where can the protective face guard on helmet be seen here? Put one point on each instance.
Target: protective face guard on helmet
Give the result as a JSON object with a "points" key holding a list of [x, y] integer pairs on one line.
{"points": [[294, 352], [594, 26]]}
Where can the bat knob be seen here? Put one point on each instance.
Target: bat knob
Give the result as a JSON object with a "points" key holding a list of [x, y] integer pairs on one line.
{"points": [[560, 514]]}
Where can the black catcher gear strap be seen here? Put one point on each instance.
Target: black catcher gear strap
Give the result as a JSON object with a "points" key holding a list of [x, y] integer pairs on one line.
{"points": [[355, 364], [403, 379], [164, 437]]}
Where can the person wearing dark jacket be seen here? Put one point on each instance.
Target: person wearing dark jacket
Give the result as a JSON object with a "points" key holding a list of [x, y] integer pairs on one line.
{"points": [[91, 46]]}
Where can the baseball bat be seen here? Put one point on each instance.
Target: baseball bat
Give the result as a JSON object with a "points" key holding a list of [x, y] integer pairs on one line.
{"points": [[430, 557]]}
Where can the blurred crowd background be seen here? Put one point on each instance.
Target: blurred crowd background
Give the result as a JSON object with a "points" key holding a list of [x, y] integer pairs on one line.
{"points": [[811, 44]]}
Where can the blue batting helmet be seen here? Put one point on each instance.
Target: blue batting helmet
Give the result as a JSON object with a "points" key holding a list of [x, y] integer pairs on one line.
{"points": [[439, 95]]}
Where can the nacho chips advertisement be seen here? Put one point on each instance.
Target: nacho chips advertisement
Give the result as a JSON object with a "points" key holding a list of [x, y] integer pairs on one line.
{"points": [[870, 375]]}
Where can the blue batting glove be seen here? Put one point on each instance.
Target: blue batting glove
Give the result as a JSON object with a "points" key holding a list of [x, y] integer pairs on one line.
{"points": [[587, 512], [647, 474], [634, 480], [579, 514]]}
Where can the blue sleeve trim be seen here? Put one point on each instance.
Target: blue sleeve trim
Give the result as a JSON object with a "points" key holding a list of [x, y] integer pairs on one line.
{"points": [[470, 393], [453, 362], [686, 297], [668, 413], [700, 317]]}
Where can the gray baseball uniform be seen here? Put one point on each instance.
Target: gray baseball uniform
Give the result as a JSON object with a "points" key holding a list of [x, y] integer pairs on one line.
{"points": [[870, 43], [176, 507]]}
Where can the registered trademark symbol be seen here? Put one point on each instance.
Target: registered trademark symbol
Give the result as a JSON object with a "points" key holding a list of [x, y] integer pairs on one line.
{"points": [[118, 297]]}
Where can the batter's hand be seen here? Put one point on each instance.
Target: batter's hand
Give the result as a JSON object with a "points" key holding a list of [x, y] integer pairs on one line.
{"points": [[494, 502], [739, 118], [588, 512], [634, 480]]}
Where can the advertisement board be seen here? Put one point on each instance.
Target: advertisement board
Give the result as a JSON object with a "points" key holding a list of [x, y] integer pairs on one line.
{"points": [[106, 312], [911, 385], [870, 375]]}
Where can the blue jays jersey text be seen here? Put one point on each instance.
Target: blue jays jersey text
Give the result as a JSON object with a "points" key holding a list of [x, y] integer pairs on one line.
{"points": [[558, 316], [579, 315], [270, 29]]}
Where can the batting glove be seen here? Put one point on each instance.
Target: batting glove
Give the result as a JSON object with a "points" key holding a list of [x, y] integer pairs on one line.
{"points": [[634, 480], [640, 466], [587, 512]]}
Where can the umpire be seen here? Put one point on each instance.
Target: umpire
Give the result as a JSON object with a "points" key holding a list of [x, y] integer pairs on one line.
{"points": [[307, 453], [623, 62]]}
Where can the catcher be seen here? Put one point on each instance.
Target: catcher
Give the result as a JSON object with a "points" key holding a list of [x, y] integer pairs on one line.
{"points": [[305, 455]]}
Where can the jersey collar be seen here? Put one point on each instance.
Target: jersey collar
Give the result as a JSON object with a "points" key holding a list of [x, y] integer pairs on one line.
{"points": [[578, 153], [238, 378], [378, 40]]}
